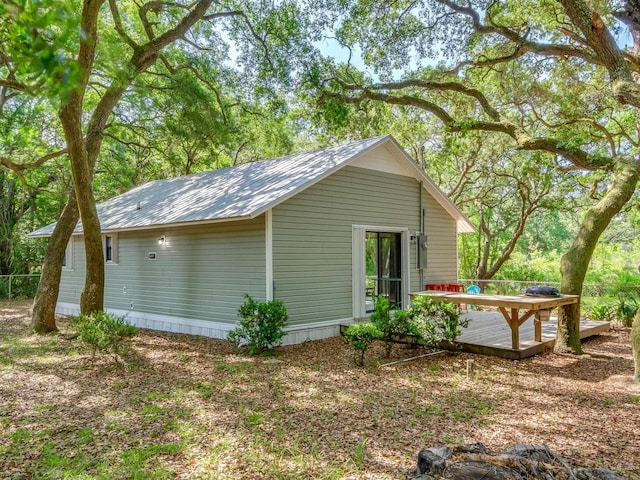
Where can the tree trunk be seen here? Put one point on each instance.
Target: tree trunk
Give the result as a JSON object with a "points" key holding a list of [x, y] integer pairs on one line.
{"points": [[92, 297], [83, 154], [43, 318], [575, 262]]}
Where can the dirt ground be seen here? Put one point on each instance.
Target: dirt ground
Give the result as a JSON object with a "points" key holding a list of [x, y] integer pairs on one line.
{"points": [[191, 407]]}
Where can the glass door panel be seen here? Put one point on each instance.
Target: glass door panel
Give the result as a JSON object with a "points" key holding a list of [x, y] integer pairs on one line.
{"points": [[383, 252]]}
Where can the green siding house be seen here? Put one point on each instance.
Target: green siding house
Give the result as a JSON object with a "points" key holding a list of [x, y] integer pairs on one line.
{"points": [[324, 231]]}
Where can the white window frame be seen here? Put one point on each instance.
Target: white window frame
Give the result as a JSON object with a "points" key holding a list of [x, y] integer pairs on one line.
{"points": [[359, 265], [114, 248], [67, 262]]}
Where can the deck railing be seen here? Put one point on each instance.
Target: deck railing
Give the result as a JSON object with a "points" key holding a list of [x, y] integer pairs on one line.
{"points": [[18, 286], [591, 292]]}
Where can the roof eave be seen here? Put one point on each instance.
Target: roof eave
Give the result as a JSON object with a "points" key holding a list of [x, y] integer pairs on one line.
{"points": [[157, 226]]}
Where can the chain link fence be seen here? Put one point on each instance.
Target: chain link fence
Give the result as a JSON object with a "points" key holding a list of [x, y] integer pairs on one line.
{"points": [[24, 286], [18, 286]]}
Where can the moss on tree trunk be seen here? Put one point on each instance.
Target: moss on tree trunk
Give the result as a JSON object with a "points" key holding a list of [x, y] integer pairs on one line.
{"points": [[575, 262]]}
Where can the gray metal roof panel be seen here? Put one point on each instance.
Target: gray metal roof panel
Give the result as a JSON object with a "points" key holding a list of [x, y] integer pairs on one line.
{"points": [[235, 192]]}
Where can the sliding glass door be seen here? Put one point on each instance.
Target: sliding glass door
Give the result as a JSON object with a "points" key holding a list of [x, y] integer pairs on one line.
{"points": [[383, 257]]}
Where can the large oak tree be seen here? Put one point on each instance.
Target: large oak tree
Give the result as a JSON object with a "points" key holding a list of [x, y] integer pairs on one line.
{"points": [[85, 60], [550, 76]]}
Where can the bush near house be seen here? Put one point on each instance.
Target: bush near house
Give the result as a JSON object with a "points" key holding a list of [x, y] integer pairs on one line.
{"points": [[360, 336], [429, 321], [391, 324], [436, 321], [261, 325]]}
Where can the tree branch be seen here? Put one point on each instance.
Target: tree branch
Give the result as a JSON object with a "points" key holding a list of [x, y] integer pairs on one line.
{"points": [[200, 77], [20, 168], [360, 93], [115, 13]]}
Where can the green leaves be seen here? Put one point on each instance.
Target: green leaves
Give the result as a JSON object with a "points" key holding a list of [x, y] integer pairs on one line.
{"points": [[39, 37], [360, 336], [428, 321], [261, 325], [104, 332]]}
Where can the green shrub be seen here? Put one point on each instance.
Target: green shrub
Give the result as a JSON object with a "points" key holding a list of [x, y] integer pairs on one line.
{"points": [[436, 321], [360, 336], [601, 313], [626, 309], [391, 323], [430, 321], [261, 325], [104, 332]]}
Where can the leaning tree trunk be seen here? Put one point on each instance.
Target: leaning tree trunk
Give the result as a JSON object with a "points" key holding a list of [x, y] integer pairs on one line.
{"points": [[575, 262], [43, 318], [83, 153], [92, 297], [82, 164]]}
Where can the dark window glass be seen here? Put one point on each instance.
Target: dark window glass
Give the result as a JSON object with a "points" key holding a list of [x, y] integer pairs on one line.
{"points": [[108, 248]]}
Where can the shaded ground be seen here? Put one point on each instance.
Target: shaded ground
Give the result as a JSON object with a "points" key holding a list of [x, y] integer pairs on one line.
{"points": [[189, 407]]}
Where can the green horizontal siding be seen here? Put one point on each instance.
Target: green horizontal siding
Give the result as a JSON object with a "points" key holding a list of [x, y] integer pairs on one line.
{"points": [[442, 255], [201, 272], [312, 238], [72, 279]]}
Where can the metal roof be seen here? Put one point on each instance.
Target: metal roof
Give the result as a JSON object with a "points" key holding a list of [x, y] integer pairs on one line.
{"points": [[243, 191]]}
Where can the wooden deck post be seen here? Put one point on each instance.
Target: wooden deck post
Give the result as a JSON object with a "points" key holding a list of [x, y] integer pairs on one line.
{"points": [[515, 329], [537, 329]]}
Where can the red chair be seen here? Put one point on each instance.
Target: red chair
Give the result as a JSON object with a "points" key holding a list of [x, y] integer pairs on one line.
{"points": [[455, 287]]}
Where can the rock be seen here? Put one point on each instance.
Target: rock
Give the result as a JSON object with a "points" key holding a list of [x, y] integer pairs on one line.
{"points": [[532, 452], [444, 452], [433, 460], [471, 448], [596, 474], [520, 462]]}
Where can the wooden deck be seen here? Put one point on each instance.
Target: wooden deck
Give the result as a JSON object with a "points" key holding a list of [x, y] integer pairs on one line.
{"points": [[510, 306], [489, 334]]}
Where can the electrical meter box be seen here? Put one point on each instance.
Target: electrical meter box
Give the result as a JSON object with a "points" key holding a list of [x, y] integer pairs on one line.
{"points": [[422, 244]]}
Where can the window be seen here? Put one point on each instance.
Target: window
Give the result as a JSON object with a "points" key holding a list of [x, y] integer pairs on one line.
{"points": [[110, 248], [67, 261]]}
